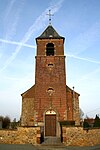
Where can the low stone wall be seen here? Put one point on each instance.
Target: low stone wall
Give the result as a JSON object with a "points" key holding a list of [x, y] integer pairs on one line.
{"points": [[77, 136], [20, 136], [72, 136]]}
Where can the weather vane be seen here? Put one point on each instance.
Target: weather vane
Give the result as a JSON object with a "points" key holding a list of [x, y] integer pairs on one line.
{"points": [[50, 15]]}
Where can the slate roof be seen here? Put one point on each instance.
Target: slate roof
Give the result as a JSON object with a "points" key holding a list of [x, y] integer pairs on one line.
{"points": [[50, 32]]}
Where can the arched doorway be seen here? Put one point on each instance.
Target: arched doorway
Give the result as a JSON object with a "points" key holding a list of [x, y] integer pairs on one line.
{"points": [[50, 123]]}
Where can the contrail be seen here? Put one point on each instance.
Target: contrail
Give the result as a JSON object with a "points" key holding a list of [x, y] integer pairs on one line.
{"points": [[9, 8], [6, 19], [85, 39], [39, 23], [17, 43], [55, 5], [85, 59], [12, 23], [88, 75]]}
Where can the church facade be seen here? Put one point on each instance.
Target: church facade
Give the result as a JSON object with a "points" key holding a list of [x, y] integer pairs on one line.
{"points": [[50, 101]]}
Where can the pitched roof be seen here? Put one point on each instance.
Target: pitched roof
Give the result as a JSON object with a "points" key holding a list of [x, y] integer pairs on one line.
{"points": [[29, 93], [68, 89], [50, 32]]}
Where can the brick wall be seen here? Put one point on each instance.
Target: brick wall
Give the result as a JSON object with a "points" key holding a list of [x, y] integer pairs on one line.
{"points": [[50, 73], [58, 46], [50, 77]]}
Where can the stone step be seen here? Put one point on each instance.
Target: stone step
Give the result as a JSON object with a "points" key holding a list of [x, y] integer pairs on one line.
{"points": [[54, 141], [51, 140]]}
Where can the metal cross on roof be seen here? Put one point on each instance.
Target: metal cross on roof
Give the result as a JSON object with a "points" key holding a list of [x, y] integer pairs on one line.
{"points": [[49, 14]]}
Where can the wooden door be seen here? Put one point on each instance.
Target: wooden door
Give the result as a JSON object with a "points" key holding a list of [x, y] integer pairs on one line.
{"points": [[50, 125]]}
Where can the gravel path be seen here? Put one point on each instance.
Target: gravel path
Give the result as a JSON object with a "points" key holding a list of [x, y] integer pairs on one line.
{"points": [[31, 147]]}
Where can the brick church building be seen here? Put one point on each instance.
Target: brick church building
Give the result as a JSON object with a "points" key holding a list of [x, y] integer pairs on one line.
{"points": [[50, 101]]}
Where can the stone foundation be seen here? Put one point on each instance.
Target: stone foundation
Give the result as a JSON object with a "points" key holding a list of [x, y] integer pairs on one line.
{"points": [[20, 136], [76, 136]]}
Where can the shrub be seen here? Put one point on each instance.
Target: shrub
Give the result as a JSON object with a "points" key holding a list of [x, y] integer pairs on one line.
{"points": [[97, 121], [5, 122], [85, 125]]}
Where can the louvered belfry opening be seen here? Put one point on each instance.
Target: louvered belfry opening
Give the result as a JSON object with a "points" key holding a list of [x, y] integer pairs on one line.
{"points": [[50, 49]]}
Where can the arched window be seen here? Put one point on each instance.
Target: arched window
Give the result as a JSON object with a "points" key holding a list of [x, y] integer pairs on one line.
{"points": [[50, 49]]}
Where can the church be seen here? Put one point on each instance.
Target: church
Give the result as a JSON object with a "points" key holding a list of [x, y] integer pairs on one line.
{"points": [[50, 102]]}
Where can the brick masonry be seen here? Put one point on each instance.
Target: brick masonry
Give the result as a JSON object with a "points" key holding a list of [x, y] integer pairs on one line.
{"points": [[50, 91], [50, 73]]}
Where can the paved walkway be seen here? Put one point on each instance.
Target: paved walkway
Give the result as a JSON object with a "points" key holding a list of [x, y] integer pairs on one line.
{"points": [[52, 141], [30, 147]]}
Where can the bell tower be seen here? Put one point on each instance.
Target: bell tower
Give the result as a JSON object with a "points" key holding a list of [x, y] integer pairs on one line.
{"points": [[50, 77]]}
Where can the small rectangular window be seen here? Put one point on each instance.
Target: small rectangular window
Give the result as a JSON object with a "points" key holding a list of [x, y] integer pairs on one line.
{"points": [[50, 65]]}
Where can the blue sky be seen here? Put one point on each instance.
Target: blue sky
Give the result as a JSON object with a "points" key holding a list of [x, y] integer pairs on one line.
{"points": [[22, 21]]}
